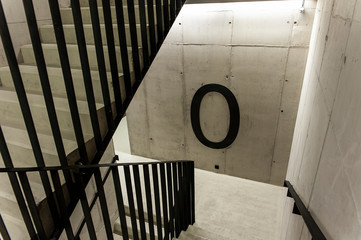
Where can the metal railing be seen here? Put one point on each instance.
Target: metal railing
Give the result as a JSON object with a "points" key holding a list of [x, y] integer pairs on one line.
{"points": [[299, 208], [165, 190], [154, 27]]}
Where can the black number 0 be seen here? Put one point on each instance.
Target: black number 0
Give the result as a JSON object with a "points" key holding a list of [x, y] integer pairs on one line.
{"points": [[233, 112]]}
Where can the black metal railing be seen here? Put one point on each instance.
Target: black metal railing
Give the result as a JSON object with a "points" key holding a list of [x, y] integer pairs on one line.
{"points": [[299, 208], [154, 27], [163, 188]]}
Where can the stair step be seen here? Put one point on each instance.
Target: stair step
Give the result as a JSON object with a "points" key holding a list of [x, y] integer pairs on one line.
{"points": [[47, 34], [31, 81], [12, 115], [118, 230], [196, 231], [67, 15], [52, 57], [188, 236], [85, 3]]}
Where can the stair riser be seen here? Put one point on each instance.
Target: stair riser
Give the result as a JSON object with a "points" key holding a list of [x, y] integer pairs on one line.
{"points": [[67, 15], [47, 35], [52, 57], [32, 82]]}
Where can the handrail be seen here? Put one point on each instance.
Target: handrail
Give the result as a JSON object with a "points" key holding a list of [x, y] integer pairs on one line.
{"points": [[312, 226], [85, 167]]}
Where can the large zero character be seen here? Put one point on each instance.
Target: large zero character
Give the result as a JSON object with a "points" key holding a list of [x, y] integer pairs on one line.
{"points": [[233, 112]]}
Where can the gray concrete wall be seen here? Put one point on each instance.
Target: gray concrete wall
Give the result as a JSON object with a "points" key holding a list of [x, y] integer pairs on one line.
{"points": [[325, 162], [256, 49], [15, 16]]}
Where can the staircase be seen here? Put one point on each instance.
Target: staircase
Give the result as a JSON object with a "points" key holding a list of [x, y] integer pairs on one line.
{"points": [[13, 126]]}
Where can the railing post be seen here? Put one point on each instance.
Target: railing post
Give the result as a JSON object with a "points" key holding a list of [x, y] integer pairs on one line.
{"points": [[84, 59], [101, 62], [85, 205], [3, 230], [120, 203]]}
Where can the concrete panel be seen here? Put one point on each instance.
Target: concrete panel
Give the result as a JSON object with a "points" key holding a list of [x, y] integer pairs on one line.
{"points": [[342, 221], [313, 147], [204, 65], [199, 25], [165, 96], [301, 30], [290, 99], [257, 76], [137, 120], [347, 99], [334, 58], [257, 22]]}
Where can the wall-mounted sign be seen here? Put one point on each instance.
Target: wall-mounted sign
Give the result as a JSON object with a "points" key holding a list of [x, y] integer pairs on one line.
{"points": [[233, 112]]}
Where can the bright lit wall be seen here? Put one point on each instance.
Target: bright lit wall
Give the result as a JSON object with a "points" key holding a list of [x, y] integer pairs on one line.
{"points": [[258, 51], [325, 161]]}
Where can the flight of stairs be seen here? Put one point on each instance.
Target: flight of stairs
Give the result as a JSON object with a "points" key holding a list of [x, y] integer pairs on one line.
{"points": [[11, 119]]}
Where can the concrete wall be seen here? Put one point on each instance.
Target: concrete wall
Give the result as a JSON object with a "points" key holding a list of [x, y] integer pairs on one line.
{"points": [[325, 161], [256, 49], [15, 16]]}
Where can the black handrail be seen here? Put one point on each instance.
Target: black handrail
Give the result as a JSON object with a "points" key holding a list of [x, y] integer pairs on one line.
{"points": [[301, 209]]}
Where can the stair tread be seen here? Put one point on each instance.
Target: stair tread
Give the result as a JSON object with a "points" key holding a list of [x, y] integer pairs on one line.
{"points": [[37, 99], [195, 230], [53, 71]]}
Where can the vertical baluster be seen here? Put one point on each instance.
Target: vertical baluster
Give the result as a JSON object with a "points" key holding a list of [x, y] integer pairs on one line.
{"points": [[62, 205], [120, 202], [166, 16], [149, 200], [44, 80], [112, 55], [157, 200], [133, 215], [164, 201], [134, 40], [124, 51], [178, 6], [32, 205], [25, 108], [188, 194], [144, 34], [192, 192], [3, 230], [170, 199], [68, 79], [176, 200], [101, 63], [153, 44], [138, 192], [172, 11], [181, 194], [85, 205], [159, 22], [103, 203], [79, 30], [15, 185]]}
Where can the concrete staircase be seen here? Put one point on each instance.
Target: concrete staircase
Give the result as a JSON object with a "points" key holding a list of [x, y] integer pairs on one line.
{"points": [[11, 118]]}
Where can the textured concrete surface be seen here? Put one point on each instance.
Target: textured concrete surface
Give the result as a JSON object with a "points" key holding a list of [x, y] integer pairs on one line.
{"points": [[325, 157], [256, 49]]}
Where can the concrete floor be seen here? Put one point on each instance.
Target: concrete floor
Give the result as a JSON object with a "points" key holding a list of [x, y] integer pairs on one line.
{"points": [[232, 207]]}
